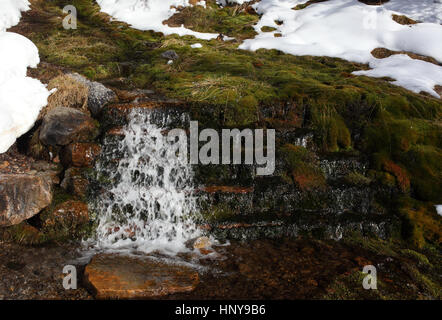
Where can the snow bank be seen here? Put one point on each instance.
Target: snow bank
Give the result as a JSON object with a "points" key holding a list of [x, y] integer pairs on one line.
{"points": [[420, 10], [150, 14], [10, 12], [415, 75], [21, 97], [439, 209], [350, 30]]}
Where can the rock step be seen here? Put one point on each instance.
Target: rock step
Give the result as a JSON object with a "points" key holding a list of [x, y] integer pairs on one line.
{"points": [[112, 276], [163, 113]]}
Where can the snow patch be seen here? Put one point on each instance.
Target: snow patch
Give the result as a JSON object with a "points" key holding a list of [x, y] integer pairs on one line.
{"points": [[150, 14], [196, 46], [422, 10], [350, 30], [439, 209], [21, 97]]}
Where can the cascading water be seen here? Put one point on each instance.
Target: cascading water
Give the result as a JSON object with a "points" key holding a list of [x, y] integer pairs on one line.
{"points": [[149, 204]]}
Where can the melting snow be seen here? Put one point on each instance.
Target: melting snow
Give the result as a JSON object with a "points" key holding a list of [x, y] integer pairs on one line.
{"points": [[350, 30], [421, 10], [150, 14], [21, 97]]}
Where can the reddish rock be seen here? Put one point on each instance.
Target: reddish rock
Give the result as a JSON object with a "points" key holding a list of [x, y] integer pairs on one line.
{"points": [[62, 126], [71, 214], [74, 182], [80, 154], [114, 276], [23, 196]]}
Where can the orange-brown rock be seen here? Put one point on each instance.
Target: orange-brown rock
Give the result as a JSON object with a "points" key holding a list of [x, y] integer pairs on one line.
{"points": [[80, 154], [70, 214], [113, 276]]}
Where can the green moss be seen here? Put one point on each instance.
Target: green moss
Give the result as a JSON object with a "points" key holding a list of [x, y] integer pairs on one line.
{"points": [[357, 179], [267, 29], [418, 257]]}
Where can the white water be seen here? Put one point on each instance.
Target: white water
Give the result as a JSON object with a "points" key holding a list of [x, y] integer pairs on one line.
{"points": [[151, 205]]}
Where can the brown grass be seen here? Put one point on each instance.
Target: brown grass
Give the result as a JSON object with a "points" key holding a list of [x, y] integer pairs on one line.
{"points": [[403, 20], [381, 53], [69, 94]]}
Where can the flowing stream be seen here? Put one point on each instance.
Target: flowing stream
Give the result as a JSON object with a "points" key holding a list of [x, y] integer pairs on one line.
{"points": [[149, 204]]}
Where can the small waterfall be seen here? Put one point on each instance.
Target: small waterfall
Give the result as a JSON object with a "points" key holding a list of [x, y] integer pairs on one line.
{"points": [[149, 204]]}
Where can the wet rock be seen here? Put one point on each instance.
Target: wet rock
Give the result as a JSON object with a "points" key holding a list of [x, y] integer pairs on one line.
{"points": [[170, 55], [202, 243], [99, 95], [74, 182], [23, 196], [80, 154], [69, 215], [62, 126], [122, 277]]}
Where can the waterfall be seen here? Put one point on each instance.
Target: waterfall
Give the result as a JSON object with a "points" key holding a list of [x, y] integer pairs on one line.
{"points": [[149, 204]]}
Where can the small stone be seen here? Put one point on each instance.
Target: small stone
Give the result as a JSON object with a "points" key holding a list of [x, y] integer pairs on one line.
{"points": [[74, 182], [114, 276], [202, 243], [4, 165], [170, 55], [80, 154]]}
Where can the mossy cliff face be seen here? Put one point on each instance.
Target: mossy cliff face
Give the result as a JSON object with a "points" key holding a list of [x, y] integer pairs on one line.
{"points": [[326, 119]]}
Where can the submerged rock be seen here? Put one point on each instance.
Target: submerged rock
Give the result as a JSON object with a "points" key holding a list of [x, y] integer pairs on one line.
{"points": [[114, 276], [23, 195], [62, 126]]}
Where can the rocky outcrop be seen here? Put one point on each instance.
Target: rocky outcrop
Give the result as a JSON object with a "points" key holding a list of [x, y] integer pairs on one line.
{"points": [[99, 95], [62, 126], [80, 154], [23, 196], [113, 276]]}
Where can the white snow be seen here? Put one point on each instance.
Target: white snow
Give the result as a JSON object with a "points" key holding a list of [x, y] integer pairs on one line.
{"points": [[150, 14], [415, 75], [350, 30], [225, 2], [439, 209], [21, 97], [196, 45], [420, 10]]}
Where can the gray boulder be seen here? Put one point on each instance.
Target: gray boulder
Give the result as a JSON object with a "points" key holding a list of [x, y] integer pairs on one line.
{"points": [[170, 55], [99, 96]]}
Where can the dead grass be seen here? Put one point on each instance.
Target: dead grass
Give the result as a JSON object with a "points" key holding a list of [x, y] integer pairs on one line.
{"points": [[381, 53], [403, 20], [69, 94]]}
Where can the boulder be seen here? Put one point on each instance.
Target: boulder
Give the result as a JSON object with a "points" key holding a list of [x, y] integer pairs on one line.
{"points": [[113, 276], [23, 196], [99, 95], [80, 154], [62, 126]]}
